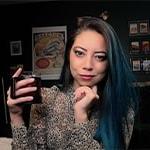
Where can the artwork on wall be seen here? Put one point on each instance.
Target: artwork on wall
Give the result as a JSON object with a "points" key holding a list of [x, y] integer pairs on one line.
{"points": [[144, 26], [138, 27], [146, 65], [145, 46], [15, 48], [139, 46], [140, 65], [136, 65], [48, 44], [133, 28], [134, 47]]}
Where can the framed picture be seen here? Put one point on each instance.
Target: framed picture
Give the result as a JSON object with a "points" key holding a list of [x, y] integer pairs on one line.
{"points": [[15, 48], [144, 26], [145, 47], [136, 65], [48, 44], [134, 47], [133, 28], [146, 65]]}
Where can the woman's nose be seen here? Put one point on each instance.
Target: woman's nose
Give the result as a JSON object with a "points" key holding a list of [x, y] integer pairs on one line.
{"points": [[88, 64]]}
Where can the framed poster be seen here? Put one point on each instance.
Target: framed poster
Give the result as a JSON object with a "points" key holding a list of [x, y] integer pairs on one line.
{"points": [[144, 26], [48, 45], [136, 65], [145, 46], [146, 65], [133, 28], [134, 47], [15, 48]]}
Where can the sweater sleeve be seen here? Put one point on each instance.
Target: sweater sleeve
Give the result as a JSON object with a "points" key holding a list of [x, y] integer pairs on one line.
{"points": [[35, 136], [19, 135]]}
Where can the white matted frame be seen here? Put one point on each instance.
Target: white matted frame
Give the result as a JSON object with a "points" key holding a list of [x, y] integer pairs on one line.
{"points": [[15, 48], [136, 65], [134, 46], [146, 65], [48, 45], [144, 27], [133, 28]]}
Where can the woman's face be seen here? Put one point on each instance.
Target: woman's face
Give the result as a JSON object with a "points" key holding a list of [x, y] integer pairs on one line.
{"points": [[88, 59]]}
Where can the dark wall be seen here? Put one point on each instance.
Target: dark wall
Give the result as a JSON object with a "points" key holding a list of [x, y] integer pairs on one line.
{"points": [[16, 22]]}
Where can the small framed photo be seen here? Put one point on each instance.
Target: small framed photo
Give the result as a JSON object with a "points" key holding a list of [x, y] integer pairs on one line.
{"points": [[15, 48], [133, 28], [144, 27], [136, 65], [146, 65], [134, 47], [145, 47]]}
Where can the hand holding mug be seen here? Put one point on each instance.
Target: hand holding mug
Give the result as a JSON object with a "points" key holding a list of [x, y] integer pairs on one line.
{"points": [[22, 90]]}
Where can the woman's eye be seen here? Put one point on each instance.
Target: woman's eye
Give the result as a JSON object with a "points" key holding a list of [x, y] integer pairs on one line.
{"points": [[78, 53], [100, 57]]}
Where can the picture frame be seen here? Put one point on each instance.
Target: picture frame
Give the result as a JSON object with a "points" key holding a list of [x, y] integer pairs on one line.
{"points": [[136, 65], [146, 65], [134, 47], [133, 28], [15, 48], [144, 27], [48, 46], [145, 47]]}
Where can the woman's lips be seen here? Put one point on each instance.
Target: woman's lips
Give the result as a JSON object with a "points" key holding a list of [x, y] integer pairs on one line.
{"points": [[86, 77]]}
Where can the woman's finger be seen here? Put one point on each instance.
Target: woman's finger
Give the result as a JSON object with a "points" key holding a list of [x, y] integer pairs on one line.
{"points": [[24, 82], [25, 90], [94, 88], [20, 100], [8, 91], [18, 72]]}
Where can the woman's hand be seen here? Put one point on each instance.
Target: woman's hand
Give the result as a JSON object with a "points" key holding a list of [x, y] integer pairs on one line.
{"points": [[22, 88], [85, 97]]}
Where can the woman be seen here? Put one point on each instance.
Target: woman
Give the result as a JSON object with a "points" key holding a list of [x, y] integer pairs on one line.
{"points": [[96, 104]]}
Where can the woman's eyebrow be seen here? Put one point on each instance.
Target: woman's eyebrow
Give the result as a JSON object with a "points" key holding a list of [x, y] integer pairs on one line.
{"points": [[80, 48], [96, 52]]}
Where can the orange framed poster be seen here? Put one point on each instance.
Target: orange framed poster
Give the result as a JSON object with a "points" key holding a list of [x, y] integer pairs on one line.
{"points": [[48, 45]]}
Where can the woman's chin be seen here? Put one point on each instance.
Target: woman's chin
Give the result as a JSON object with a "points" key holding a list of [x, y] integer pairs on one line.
{"points": [[82, 83], [87, 84]]}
